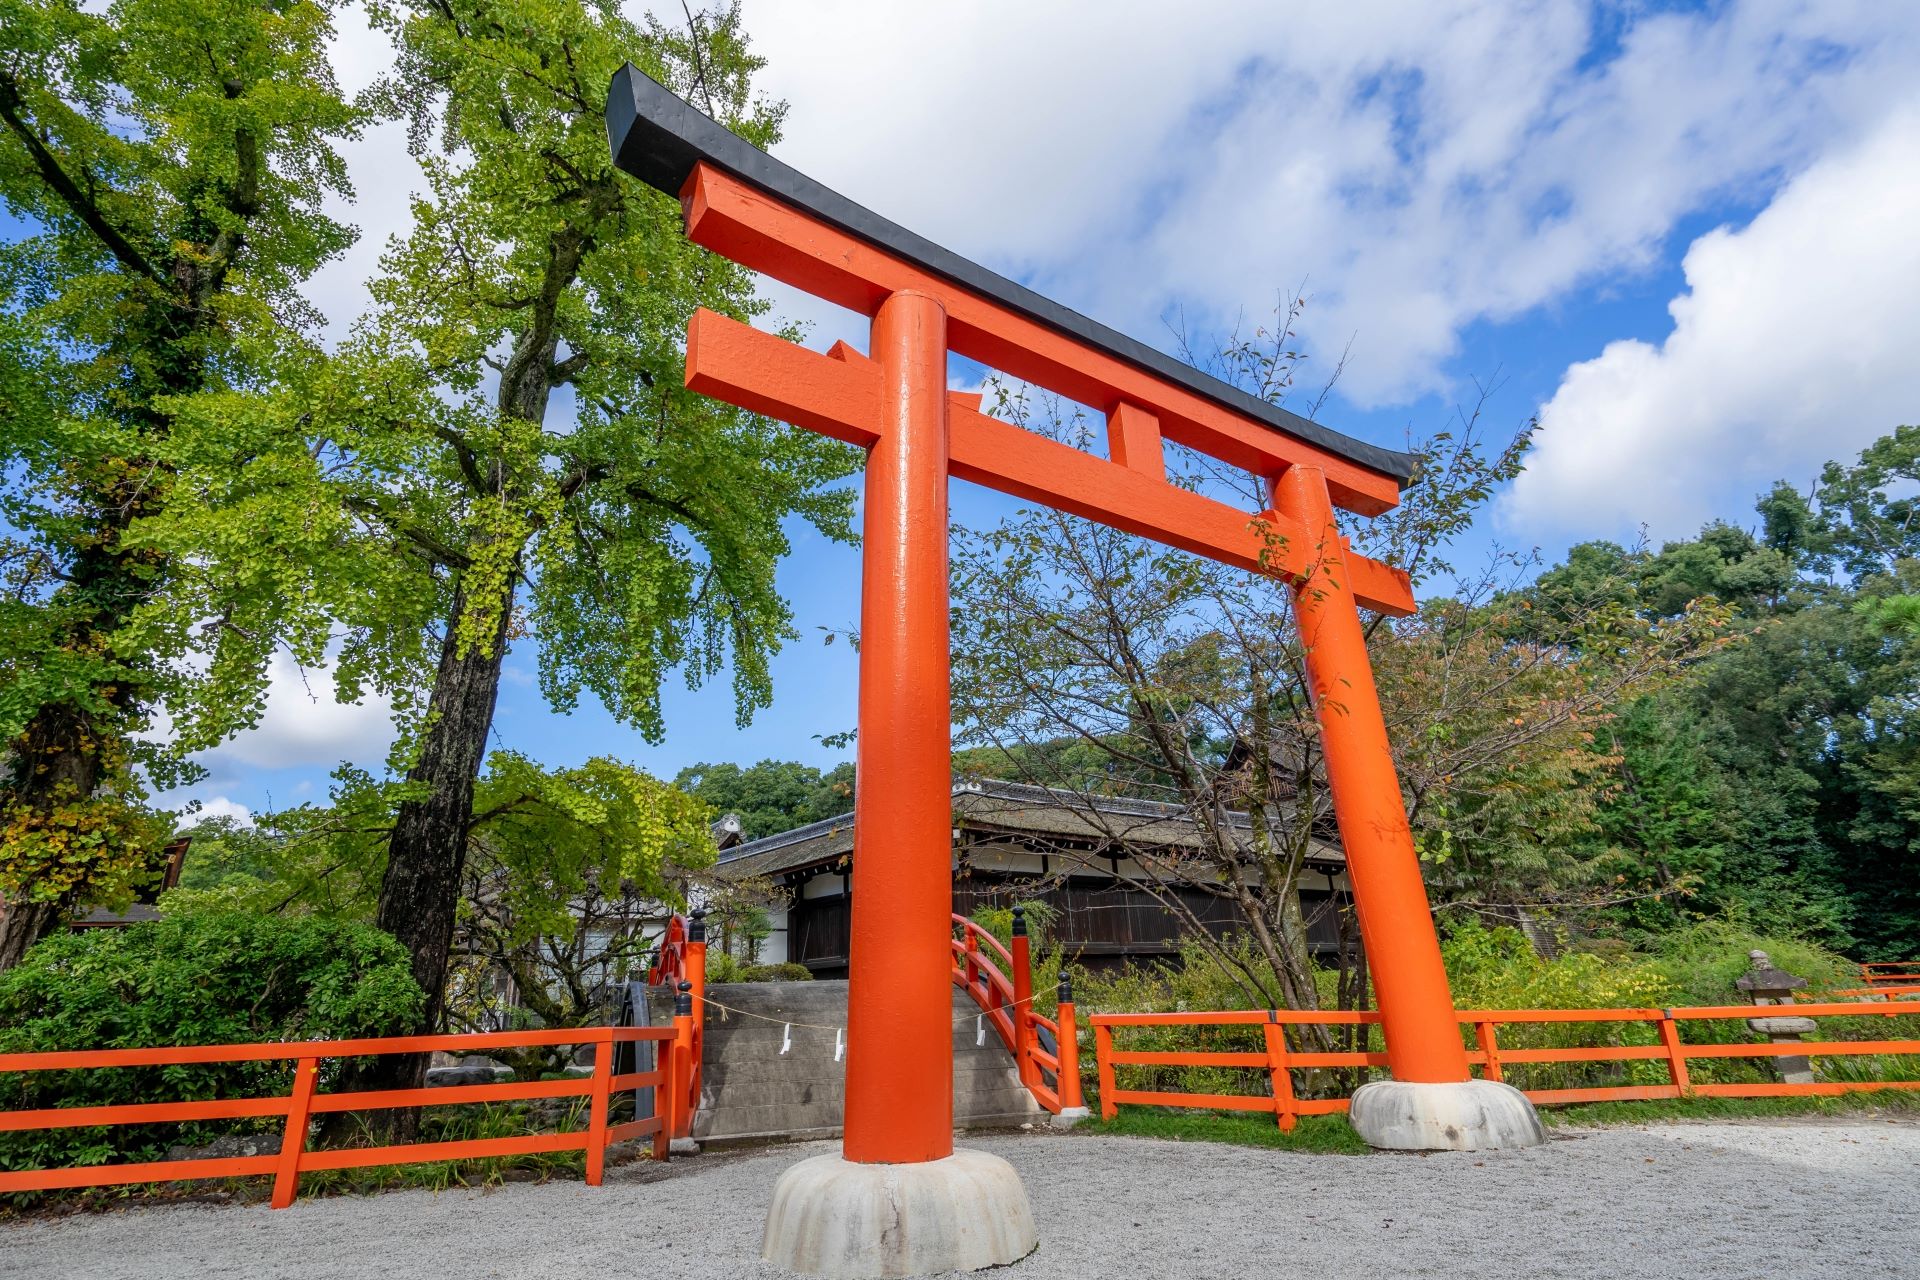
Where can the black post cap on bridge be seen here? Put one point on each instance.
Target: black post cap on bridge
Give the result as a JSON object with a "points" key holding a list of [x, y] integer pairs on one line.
{"points": [[658, 137], [683, 1002], [1019, 921], [1066, 988], [697, 925]]}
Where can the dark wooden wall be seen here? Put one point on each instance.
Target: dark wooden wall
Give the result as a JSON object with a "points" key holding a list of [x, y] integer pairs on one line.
{"points": [[1098, 923]]}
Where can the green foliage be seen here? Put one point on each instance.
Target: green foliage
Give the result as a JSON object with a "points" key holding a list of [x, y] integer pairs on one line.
{"points": [[511, 417], [1045, 959], [544, 839], [773, 795], [214, 977], [1779, 783], [226, 852], [722, 967], [167, 165], [80, 850], [1199, 981], [1703, 961], [1498, 968]]}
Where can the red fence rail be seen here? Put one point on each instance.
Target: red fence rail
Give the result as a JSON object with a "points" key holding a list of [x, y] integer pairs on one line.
{"points": [[1892, 973], [1279, 1060], [304, 1101]]}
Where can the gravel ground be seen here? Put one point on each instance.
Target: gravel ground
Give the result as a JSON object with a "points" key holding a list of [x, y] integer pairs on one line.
{"points": [[1800, 1200]]}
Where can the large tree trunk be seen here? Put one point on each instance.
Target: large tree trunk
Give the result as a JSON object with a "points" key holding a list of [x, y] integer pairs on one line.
{"points": [[24, 923], [428, 848], [56, 761], [420, 892]]}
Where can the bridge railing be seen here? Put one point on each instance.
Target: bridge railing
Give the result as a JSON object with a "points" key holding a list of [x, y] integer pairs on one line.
{"points": [[680, 965], [1000, 980], [304, 1101], [1277, 1060]]}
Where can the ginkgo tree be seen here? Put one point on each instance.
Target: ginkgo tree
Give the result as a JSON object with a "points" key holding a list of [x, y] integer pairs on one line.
{"points": [[166, 164], [508, 431]]}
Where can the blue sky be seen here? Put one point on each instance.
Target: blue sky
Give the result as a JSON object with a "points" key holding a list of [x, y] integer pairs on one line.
{"points": [[1682, 234]]}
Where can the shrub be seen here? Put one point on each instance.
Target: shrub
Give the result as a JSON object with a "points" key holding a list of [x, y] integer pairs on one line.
{"points": [[215, 977], [1197, 982], [722, 967]]}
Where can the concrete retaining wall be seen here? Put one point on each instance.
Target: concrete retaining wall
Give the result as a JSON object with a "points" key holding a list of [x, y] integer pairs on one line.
{"points": [[750, 1091]]}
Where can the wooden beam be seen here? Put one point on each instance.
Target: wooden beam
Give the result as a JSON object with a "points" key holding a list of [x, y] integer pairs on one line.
{"points": [[837, 394], [757, 230]]}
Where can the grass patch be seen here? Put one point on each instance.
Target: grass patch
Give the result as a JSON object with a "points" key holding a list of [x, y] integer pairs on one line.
{"points": [[1332, 1135], [1321, 1135], [1890, 1103]]}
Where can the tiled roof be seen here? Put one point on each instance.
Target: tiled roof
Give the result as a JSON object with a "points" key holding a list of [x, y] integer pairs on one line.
{"points": [[1016, 808]]}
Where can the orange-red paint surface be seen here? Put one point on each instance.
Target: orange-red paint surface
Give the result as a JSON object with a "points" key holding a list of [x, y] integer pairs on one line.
{"points": [[1280, 1061], [836, 395], [737, 221], [302, 1101], [899, 1020], [1000, 980], [1396, 924], [895, 403]]}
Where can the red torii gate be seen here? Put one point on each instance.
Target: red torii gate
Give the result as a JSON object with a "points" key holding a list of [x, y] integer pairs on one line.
{"points": [[894, 402]]}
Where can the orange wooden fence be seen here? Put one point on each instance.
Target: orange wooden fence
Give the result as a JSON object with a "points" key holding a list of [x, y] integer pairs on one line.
{"points": [[1279, 1061], [1903, 974], [305, 1101]]}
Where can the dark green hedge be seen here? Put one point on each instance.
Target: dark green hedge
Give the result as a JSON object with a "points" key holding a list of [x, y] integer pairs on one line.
{"points": [[205, 978]]}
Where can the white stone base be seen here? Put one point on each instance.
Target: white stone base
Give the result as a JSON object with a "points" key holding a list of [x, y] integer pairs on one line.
{"points": [[1471, 1115], [1069, 1117], [832, 1217]]}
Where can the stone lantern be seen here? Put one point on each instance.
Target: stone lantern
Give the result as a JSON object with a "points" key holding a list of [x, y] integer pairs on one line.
{"points": [[1766, 985]]}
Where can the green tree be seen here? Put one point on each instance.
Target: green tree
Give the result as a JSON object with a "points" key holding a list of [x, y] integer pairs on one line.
{"points": [[1088, 660], [1776, 785], [772, 796], [511, 428], [167, 163]]}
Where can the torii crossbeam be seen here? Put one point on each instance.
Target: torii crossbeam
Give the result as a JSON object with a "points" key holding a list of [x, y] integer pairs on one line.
{"points": [[902, 1201]]}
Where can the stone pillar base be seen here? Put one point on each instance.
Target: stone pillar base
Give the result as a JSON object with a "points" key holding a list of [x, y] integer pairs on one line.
{"points": [[1069, 1117], [1470, 1115], [832, 1217]]}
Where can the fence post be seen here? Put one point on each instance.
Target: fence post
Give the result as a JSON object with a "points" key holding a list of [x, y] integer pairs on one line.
{"points": [[1022, 996], [597, 1108], [1489, 1045], [293, 1142], [697, 975], [688, 1070], [1067, 1083], [1103, 1063], [1280, 1074], [667, 1061], [1676, 1053]]}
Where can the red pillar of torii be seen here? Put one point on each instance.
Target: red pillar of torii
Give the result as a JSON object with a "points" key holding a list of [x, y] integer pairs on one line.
{"points": [[894, 402]]}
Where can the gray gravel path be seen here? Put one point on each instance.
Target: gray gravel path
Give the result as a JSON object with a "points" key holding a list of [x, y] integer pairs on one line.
{"points": [[1800, 1200]]}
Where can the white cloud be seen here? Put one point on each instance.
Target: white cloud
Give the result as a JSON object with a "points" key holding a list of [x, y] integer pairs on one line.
{"points": [[1425, 165], [306, 725], [1793, 344], [385, 178], [219, 807]]}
